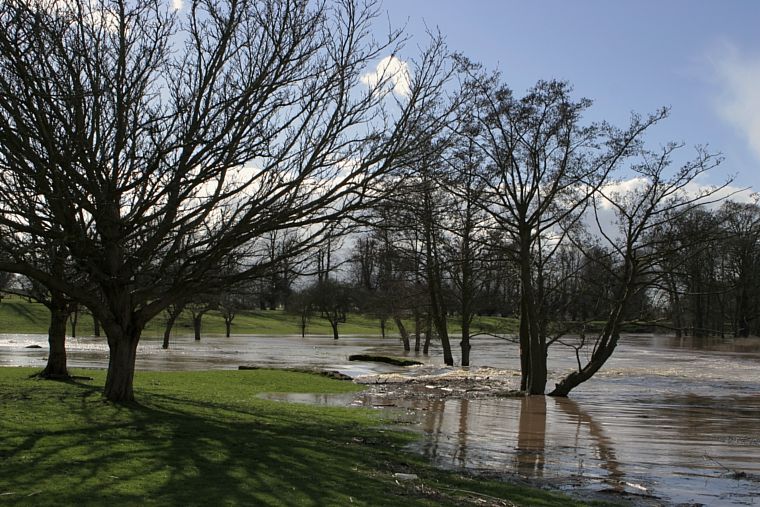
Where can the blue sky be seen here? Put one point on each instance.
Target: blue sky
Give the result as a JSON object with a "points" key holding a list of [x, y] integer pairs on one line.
{"points": [[699, 57]]}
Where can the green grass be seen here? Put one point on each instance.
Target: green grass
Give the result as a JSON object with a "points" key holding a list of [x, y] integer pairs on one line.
{"points": [[20, 316], [205, 438]]}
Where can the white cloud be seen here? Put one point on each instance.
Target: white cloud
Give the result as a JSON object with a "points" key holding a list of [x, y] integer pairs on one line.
{"points": [[620, 187], [394, 72], [177, 4], [738, 76]]}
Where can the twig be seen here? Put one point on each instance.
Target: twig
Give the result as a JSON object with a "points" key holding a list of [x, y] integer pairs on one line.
{"points": [[475, 493], [736, 473], [719, 463]]}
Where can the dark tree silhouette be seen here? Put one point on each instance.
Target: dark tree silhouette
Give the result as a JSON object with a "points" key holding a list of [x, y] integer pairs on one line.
{"points": [[154, 146], [541, 165], [662, 197], [331, 300], [59, 304]]}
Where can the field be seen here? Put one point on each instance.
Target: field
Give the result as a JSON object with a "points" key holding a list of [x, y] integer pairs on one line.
{"points": [[18, 315]]}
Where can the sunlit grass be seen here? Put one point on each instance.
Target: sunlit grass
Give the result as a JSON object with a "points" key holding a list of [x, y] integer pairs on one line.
{"points": [[205, 438], [20, 316]]}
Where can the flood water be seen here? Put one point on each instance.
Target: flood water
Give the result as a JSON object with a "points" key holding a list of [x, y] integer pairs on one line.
{"points": [[667, 421]]}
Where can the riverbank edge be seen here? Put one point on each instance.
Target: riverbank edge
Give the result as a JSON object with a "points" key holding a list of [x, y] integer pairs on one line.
{"points": [[64, 444]]}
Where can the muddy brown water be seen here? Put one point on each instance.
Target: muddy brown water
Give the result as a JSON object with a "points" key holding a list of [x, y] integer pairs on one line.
{"points": [[667, 421]]}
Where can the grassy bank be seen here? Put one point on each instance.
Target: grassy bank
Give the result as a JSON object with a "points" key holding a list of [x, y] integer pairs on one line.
{"points": [[20, 316], [206, 439]]}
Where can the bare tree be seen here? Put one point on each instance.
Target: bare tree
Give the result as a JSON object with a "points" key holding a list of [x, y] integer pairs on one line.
{"points": [[741, 224], [414, 265], [299, 304], [641, 215], [466, 224], [51, 259], [172, 313], [198, 307], [229, 304], [692, 247], [540, 167], [153, 146], [60, 308], [436, 266], [712, 291], [332, 301]]}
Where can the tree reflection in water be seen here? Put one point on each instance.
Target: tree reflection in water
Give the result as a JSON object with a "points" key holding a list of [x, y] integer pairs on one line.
{"points": [[433, 421], [605, 451], [533, 436], [529, 457]]}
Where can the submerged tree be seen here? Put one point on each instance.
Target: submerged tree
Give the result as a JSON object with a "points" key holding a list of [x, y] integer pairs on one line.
{"points": [[636, 248], [198, 307], [466, 224], [541, 165], [172, 312], [152, 146]]}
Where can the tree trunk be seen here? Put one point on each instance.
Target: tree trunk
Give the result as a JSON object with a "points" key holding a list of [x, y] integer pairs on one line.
{"points": [[73, 318], [437, 311], [197, 319], [532, 353], [228, 327], [538, 355], [403, 332], [121, 363], [537, 376], [417, 332], [171, 317], [441, 328], [524, 348], [428, 334], [606, 343], [56, 362], [465, 342], [334, 324], [95, 326]]}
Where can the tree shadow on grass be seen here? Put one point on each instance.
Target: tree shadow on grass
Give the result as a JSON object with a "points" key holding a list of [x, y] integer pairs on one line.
{"points": [[23, 311], [212, 444], [171, 450]]}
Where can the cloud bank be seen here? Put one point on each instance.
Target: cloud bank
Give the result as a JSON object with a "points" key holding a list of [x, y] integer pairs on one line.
{"points": [[738, 76]]}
